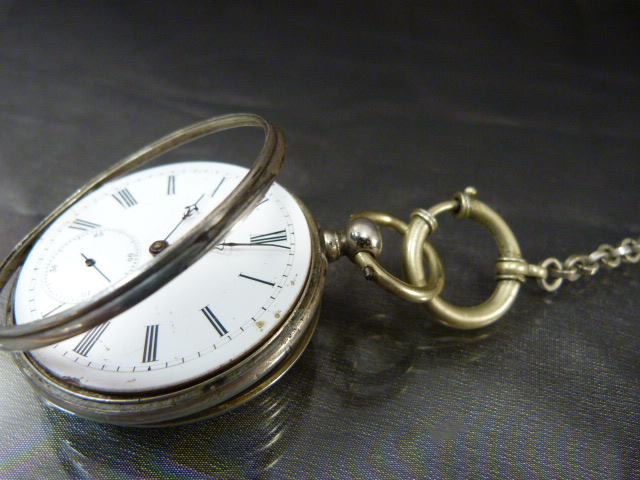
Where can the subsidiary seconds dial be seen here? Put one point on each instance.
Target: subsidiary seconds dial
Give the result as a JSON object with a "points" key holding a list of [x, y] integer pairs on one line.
{"points": [[215, 313], [76, 263]]}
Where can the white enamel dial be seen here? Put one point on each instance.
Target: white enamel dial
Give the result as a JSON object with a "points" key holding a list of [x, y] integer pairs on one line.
{"points": [[218, 311]]}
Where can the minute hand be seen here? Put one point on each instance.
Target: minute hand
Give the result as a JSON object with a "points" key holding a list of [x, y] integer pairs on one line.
{"points": [[254, 244]]}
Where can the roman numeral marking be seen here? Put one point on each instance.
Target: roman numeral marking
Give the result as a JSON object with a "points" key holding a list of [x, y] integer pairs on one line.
{"points": [[124, 198], [279, 236], [90, 339], [79, 224], [171, 185], [217, 324], [150, 353], [256, 279], [218, 187]]}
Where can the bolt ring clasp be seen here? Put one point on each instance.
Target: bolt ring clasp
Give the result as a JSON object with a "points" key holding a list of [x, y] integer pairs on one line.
{"points": [[424, 292], [424, 223]]}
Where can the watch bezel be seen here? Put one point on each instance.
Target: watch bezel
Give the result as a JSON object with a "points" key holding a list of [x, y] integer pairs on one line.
{"points": [[175, 259]]}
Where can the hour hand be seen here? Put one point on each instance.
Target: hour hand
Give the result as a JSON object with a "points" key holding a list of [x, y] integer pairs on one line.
{"points": [[237, 244]]}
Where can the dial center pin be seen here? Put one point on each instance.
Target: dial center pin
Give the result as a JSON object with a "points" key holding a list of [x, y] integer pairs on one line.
{"points": [[158, 246]]}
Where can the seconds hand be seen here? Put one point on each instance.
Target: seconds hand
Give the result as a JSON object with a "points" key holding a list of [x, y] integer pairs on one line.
{"points": [[90, 262]]}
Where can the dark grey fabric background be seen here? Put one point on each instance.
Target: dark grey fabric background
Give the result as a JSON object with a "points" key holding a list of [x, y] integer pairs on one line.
{"points": [[386, 105]]}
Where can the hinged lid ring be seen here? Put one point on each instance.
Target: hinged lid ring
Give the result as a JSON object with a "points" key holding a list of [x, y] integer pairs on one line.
{"points": [[164, 267]]}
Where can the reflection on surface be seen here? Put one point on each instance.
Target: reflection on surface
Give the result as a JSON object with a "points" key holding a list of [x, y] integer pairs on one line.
{"points": [[370, 360], [373, 358], [246, 440]]}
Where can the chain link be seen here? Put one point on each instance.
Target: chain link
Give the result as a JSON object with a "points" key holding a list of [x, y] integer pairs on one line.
{"points": [[576, 266]]}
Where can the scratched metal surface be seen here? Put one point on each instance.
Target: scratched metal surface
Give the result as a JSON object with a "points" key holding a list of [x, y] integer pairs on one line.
{"points": [[388, 106]]}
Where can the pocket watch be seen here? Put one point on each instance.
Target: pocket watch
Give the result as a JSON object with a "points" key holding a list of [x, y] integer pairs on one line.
{"points": [[172, 293]]}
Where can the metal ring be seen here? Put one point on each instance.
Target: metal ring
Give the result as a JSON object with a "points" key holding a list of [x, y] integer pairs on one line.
{"points": [[631, 257], [574, 267], [413, 293], [611, 260], [506, 289], [179, 256], [548, 265]]}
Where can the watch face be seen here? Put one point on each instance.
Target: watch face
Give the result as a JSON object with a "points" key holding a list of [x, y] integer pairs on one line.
{"points": [[212, 315]]}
